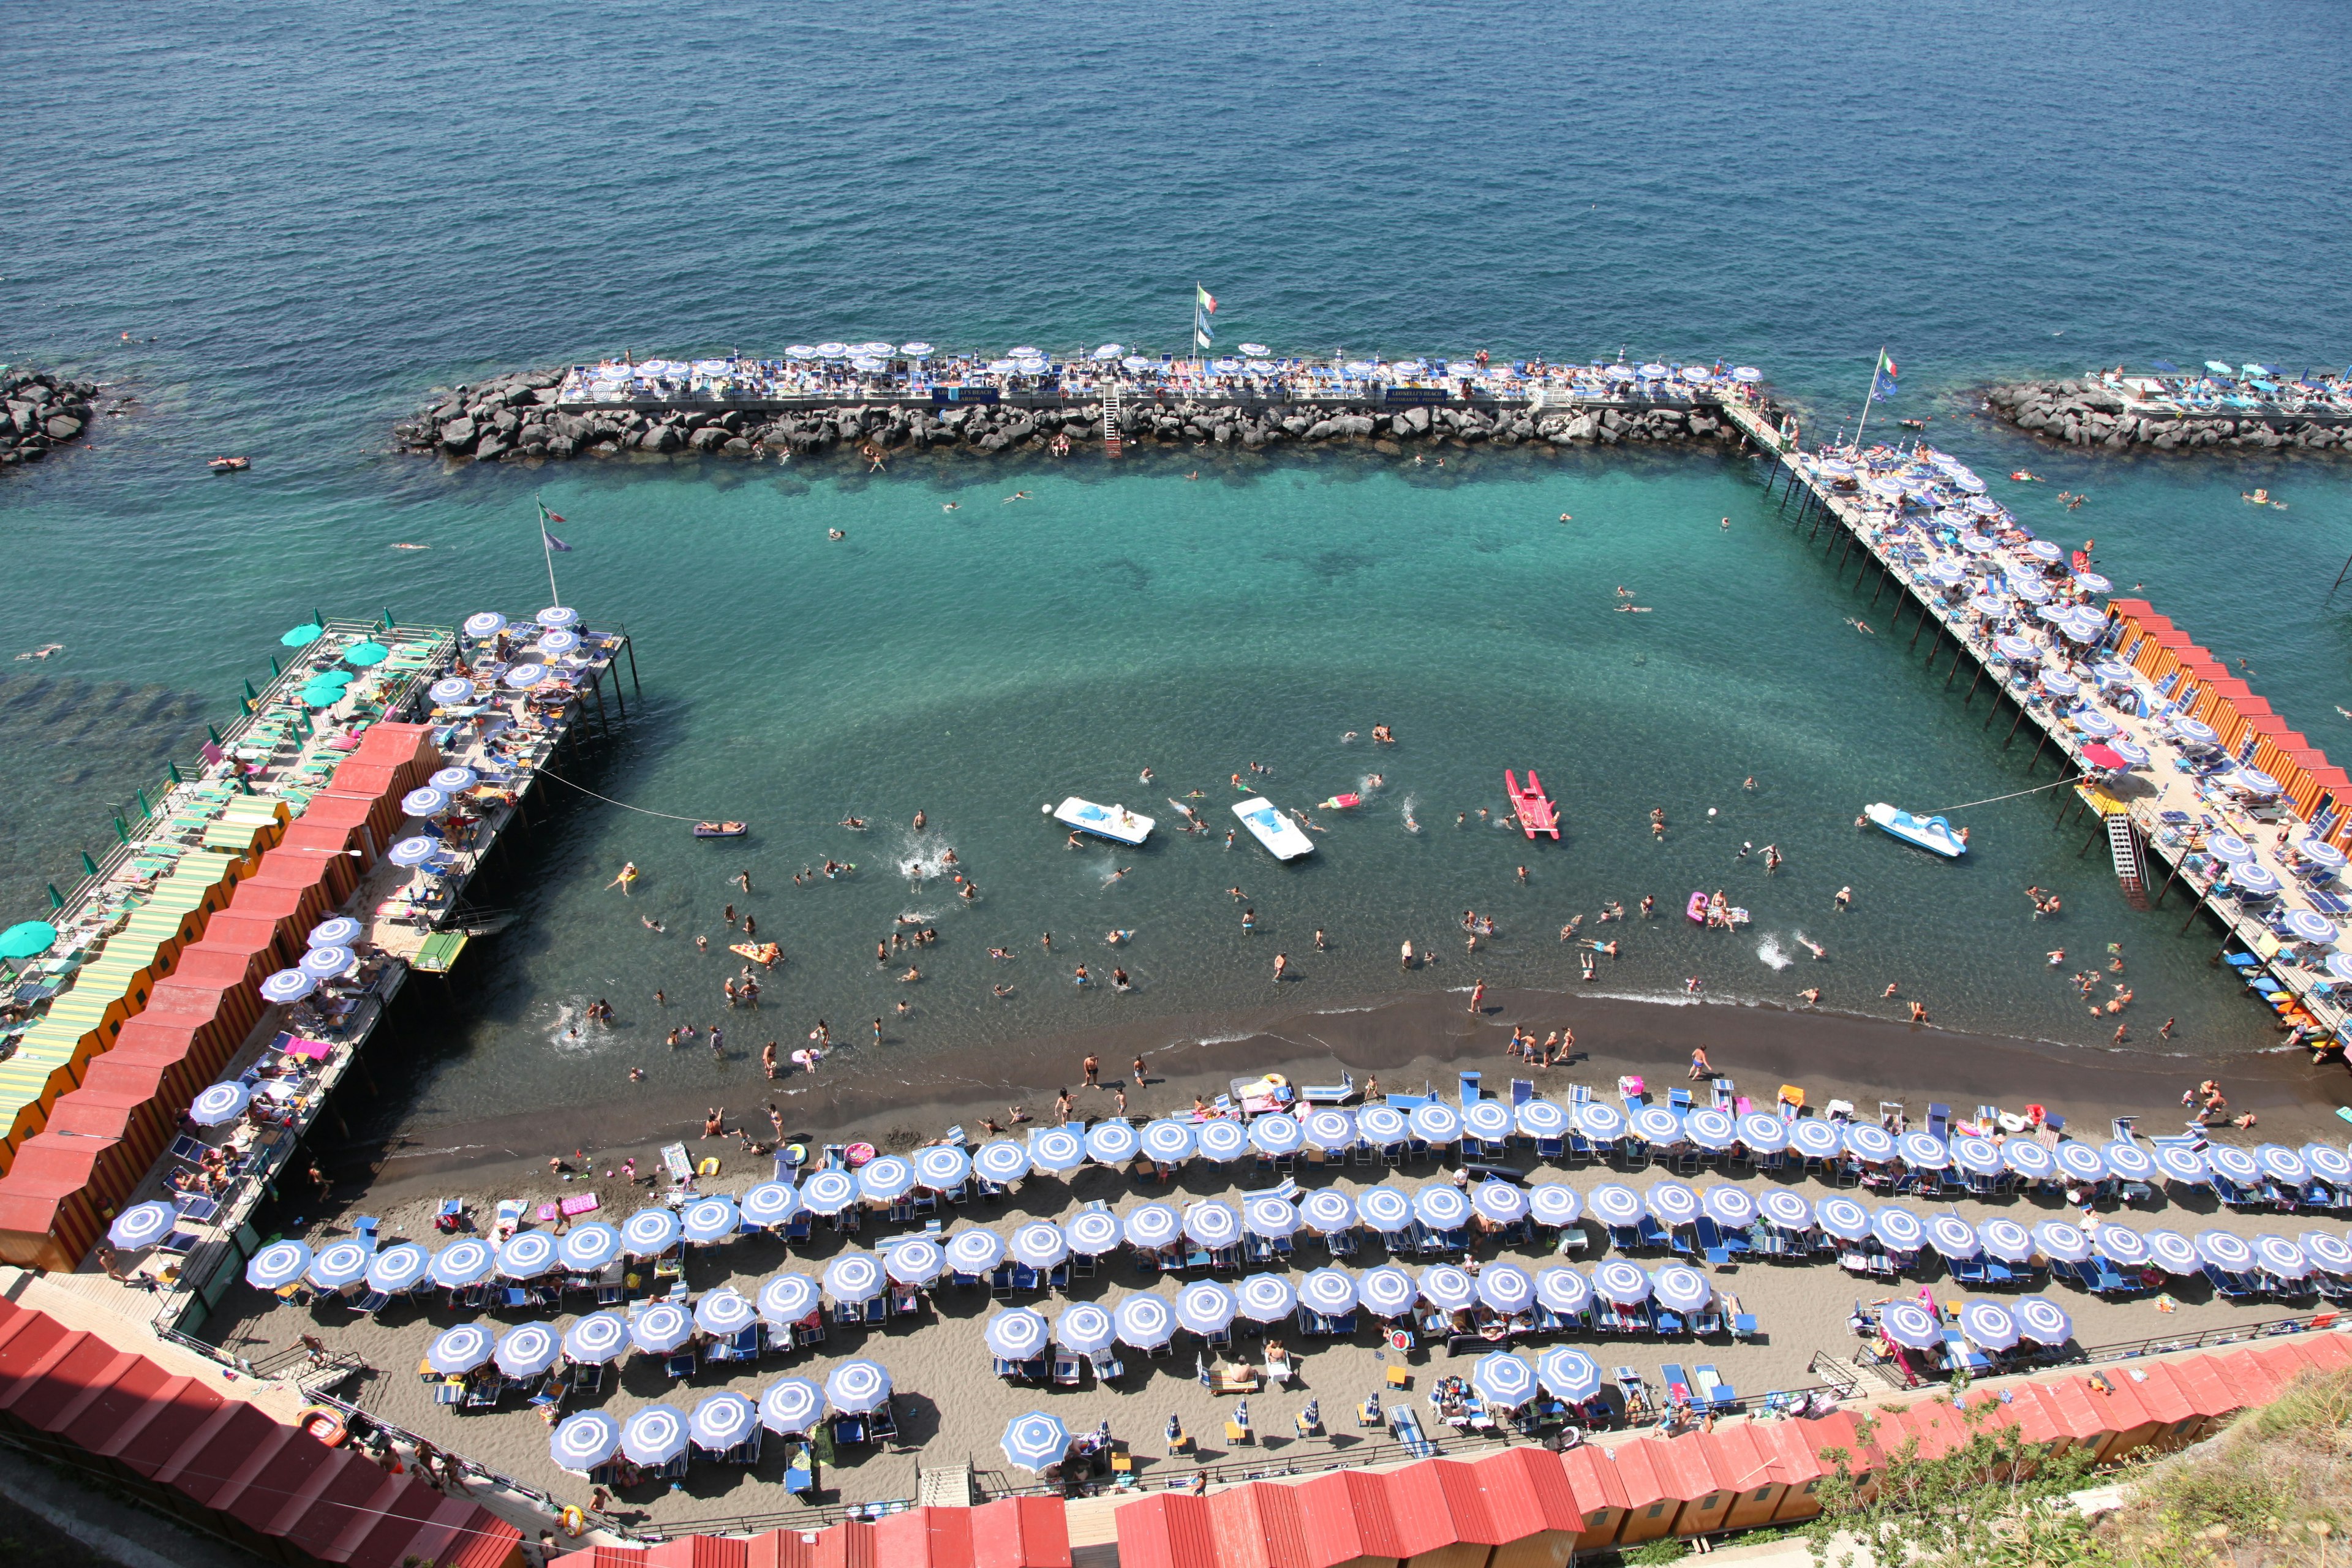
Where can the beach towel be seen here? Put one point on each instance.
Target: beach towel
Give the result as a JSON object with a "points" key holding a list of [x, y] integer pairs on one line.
{"points": [[319, 1050]]}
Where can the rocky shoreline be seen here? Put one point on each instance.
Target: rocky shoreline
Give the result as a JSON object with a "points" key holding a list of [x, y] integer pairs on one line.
{"points": [[2083, 413], [44, 411], [515, 418]]}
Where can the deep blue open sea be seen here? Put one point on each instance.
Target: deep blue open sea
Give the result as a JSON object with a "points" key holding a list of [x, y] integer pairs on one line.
{"points": [[306, 216]]}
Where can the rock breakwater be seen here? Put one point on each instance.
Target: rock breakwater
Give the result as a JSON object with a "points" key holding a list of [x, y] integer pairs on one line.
{"points": [[44, 411], [516, 418], [2083, 413]]}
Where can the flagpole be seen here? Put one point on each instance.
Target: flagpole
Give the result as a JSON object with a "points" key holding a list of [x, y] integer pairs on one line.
{"points": [[548, 549], [1875, 366]]}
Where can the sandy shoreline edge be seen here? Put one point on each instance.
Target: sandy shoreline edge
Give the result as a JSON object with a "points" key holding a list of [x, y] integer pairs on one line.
{"points": [[1406, 1041]]}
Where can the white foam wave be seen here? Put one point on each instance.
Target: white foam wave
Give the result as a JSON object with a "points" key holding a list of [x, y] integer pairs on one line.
{"points": [[1770, 950]]}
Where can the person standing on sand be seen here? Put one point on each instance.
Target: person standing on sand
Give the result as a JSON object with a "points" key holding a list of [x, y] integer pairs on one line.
{"points": [[1138, 1078], [1478, 996], [1061, 1106], [1092, 1067], [1699, 1069]]}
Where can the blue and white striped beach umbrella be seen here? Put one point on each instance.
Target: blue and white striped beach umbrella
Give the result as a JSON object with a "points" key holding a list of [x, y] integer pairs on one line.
{"points": [[770, 1204], [1909, 1324], [1656, 1124], [409, 853], [1091, 1232], [1843, 1217], [1816, 1139], [584, 1440], [1614, 1203], [2062, 1242], [1220, 1138], [1440, 1205], [2331, 1252], [724, 1313], [1213, 1224], [1056, 1150], [2128, 1160], [1169, 1141], [526, 1351], [1000, 1159], [1330, 1129], [1488, 1120], [1897, 1229], [855, 1277], [1270, 1216], [2282, 1163], [526, 1255], [975, 1251], [1711, 1129], [448, 692], [1988, 1325], [1764, 1132], [1563, 1289], [886, 1178], [941, 1167], [1672, 1202], [1506, 1286], [326, 962], [143, 1225], [787, 1298], [338, 1264], [2231, 1163], [1144, 1320], [401, 1267], [340, 931], [1680, 1287], [1554, 1204], [2327, 1163], [466, 1261], [857, 1386], [2310, 926], [588, 1247], [1017, 1333], [654, 1436], [660, 1328], [791, 1405], [2181, 1164], [1278, 1134], [649, 1233], [1383, 1126], [1036, 1441], [1977, 1156], [1503, 1380], [2042, 1319], [523, 677], [1385, 1208], [1083, 1329], [2281, 1259], [1112, 1142], [1327, 1210], [2005, 1240], [1040, 1244], [1869, 1142], [2081, 1161], [721, 1421], [1622, 1282], [459, 1349], [710, 1219], [1540, 1119], [1330, 1291], [1387, 1290], [1435, 1123], [219, 1103], [1500, 1201], [1953, 1239], [1569, 1373], [2119, 1244], [1205, 1307], [2029, 1159], [1788, 1210], [1152, 1227], [2173, 1252], [1265, 1298], [1728, 1206], [828, 1192], [597, 1338], [1447, 1288]]}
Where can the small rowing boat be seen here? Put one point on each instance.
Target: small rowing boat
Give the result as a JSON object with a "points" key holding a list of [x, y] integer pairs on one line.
{"points": [[1924, 831], [720, 829], [1283, 838], [1114, 823], [1534, 809]]}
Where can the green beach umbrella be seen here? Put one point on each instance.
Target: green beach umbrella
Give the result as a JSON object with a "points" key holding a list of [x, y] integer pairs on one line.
{"points": [[303, 636], [27, 939], [363, 653]]}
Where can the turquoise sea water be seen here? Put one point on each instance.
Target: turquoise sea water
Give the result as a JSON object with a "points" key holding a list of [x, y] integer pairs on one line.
{"points": [[315, 216]]}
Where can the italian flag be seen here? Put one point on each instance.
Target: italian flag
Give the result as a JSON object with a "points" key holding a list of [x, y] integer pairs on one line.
{"points": [[1202, 298]]}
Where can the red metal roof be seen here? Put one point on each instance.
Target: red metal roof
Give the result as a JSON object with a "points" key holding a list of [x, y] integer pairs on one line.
{"points": [[1526, 1492], [1435, 1503], [1345, 1515], [1638, 1472], [1594, 1479], [1166, 1532], [1257, 1526]]}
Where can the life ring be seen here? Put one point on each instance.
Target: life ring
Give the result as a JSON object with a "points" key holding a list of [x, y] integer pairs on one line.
{"points": [[708, 1167], [574, 1523], [325, 1425]]}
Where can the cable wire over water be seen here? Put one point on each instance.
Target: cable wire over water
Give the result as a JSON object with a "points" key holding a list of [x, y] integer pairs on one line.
{"points": [[2037, 789]]}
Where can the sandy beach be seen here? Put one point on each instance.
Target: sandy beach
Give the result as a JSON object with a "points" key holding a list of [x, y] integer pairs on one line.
{"points": [[952, 1407]]}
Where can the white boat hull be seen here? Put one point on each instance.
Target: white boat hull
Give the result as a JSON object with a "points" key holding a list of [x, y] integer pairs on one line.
{"points": [[1114, 823], [1930, 833], [1284, 839]]}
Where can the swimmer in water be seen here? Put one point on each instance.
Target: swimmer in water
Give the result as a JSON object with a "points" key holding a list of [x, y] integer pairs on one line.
{"points": [[649, 922], [626, 879], [1001, 991], [1566, 518], [1017, 495], [1115, 876], [1862, 626], [951, 506], [1351, 734], [1813, 947], [835, 533], [1812, 995], [1145, 776], [854, 823]]}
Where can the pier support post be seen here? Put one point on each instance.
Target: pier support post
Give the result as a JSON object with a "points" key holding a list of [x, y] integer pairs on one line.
{"points": [[629, 646], [2167, 885], [2195, 907], [2037, 751], [1924, 618], [1875, 592], [2090, 839], [1971, 696], [2005, 740], [1960, 650], [603, 723]]}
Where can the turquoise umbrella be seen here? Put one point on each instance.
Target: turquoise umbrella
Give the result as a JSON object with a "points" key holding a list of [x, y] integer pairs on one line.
{"points": [[322, 694], [360, 655], [27, 939], [303, 636]]}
